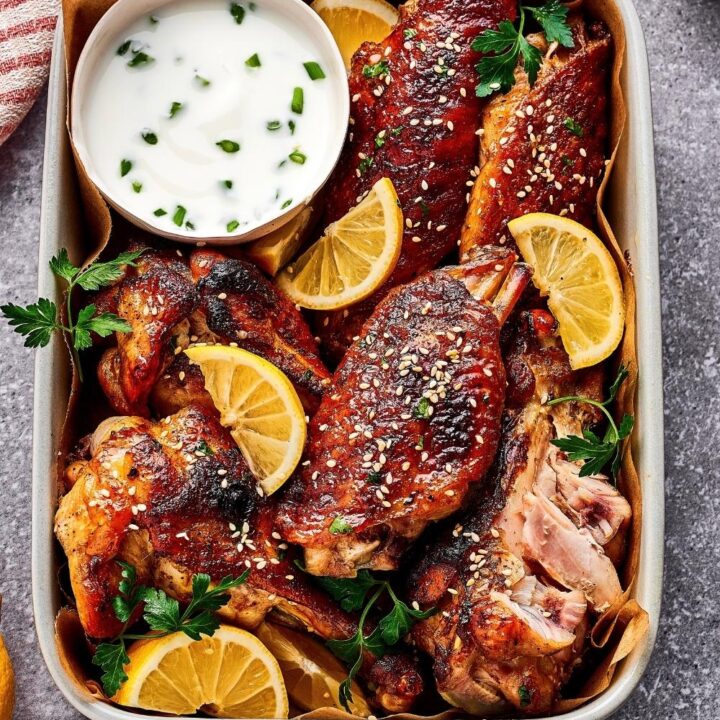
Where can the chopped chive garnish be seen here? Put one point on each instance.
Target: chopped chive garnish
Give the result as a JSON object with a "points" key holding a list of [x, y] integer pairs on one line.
{"points": [[228, 184], [377, 70], [179, 215], [365, 165], [175, 108], [314, 70], [139, 58], [273, 125], [203, 81], [233, 225], [189, 226], [573, 126], [238, 12], [153, 19], [380, 139], [396, 131], [298, 101], [159, 212], [410, 33], [292, 126], [287, 203], [149, 137], [125, 167], [282, 163], [253, 61], [567, 161], [122, 50], [229, 146], [136, 186], [298, 157]]}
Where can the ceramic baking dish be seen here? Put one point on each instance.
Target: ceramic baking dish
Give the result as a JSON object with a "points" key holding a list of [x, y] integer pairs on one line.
{"points": [[631, 188]]}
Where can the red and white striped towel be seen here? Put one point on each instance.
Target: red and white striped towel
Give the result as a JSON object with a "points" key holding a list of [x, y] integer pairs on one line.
{"points": [[26, 35]]}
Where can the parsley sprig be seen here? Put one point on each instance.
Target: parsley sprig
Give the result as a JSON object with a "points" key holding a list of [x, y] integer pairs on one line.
{"points": [[38, 321], [595, 451], [163, 616], [352, 594], [506, 45]]}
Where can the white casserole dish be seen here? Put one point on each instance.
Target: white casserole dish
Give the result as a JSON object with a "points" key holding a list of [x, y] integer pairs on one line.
{"points": [[632, 188]]}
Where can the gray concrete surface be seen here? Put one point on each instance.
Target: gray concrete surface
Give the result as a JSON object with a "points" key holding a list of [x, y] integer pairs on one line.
{"points": [[684, 675]]}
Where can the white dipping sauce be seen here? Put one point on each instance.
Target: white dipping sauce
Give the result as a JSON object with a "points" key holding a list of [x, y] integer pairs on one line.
{"points": [[203, 86]]}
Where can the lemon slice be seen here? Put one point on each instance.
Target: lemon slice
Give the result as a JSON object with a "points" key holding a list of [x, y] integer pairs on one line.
{"points": [[7, 683], [353, 22], [573, 268], [353, 258], [274, 251], [259, 405], [311, 672], [231, 674]]}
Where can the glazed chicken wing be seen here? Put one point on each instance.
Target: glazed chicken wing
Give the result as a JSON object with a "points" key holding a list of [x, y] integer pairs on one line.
{"points": [[175, 498], [170, 303], [517, 575], [414, 119], [410, 422], [543, 148]]}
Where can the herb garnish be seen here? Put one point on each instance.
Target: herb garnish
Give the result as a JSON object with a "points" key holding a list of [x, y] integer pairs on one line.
{"points": [[233, 225], [298, 157], [340, 526], [203, 81], [175, 108], [122, 50], [298, 101], [352, 593], [159, 212], [291, 125], [524, 695], [149, 137], [365, 164], [410, 33], [228, 184], [238, 12], [125, 167], [162, 614], [253, 61], [139, 58], [229, 146], [287, 203], [273, 125], [504, 47], [377, 70], [179, 215], [39, 320], [204, 449], [422, 409], [314, 70], [137, 186], [597, 452], [573, 126]]}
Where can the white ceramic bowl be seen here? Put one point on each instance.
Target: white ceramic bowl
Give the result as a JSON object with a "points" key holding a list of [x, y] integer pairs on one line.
{"points": [[103, 42]]}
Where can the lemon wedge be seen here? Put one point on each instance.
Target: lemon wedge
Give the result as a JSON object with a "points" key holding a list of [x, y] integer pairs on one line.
{"points": [[311, 672], [231, 675], [574, 269], [353, 22], [7, 683], [355, 256], [259, 405], [274, 251]]}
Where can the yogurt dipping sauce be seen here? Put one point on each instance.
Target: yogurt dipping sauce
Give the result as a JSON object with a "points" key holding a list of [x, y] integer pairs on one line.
{"points": [[207, 118]]}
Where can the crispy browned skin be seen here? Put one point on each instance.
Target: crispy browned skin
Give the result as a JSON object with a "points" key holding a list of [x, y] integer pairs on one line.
{"points": [[530, 160], [429, 146], [194, 507], [410, 422], [506, 635], [223, 301]]}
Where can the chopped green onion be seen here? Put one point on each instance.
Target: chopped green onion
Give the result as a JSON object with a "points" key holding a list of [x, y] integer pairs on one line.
{"points": [[232, 225], [273, 125], [189, 225], [298, 101], [573, 126], [136, 186], [410, 33], [179, 215], [153, 19], [287, 203], [314, 70], [365, 165], [253, 61], [122, 50], [159, 212], [203, 81], [377, 70], [139, 58], [125, 167], [298, 157], [340, 526], [149, 137], [238, 12], [228, 184], [292, 126], [229, 146], [380, 139], [175, 108]]}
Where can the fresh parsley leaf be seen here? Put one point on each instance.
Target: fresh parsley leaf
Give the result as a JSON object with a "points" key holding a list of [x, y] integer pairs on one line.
{"points": [[112, 658], [552, 18], [36, 322], [620, 378], [504, 47], [101, 274], [349, 592], [161, 612], [62, 267], [399, 621]]}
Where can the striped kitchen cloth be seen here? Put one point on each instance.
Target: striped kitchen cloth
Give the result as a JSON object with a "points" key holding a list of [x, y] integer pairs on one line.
{"points": [[26, 35]]}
